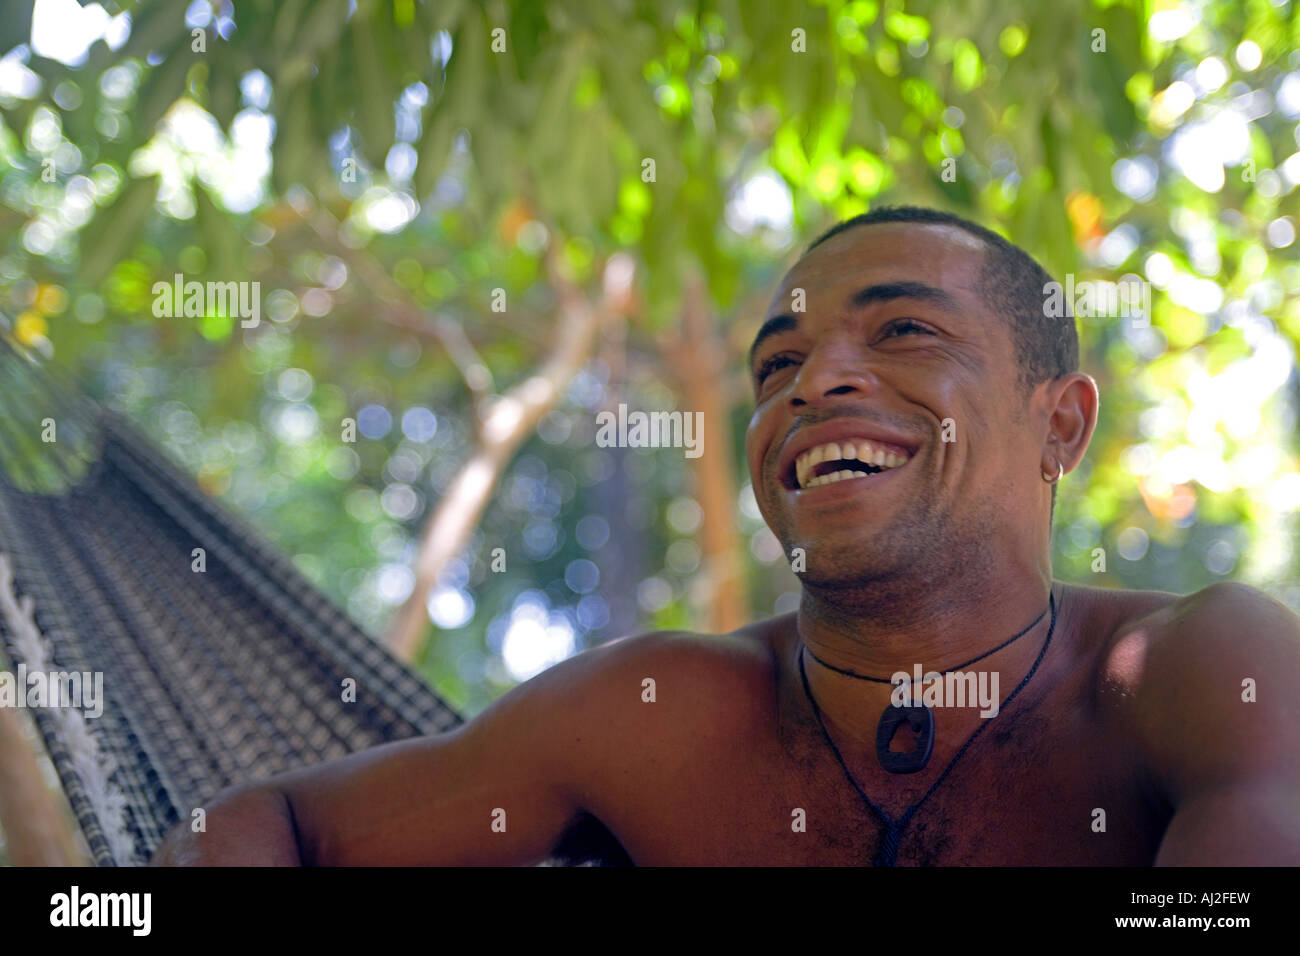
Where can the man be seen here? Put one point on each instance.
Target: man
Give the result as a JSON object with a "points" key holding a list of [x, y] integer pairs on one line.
{"points": [[914, 411]]}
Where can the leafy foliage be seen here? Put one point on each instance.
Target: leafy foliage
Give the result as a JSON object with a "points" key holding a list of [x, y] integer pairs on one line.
{"points": [[447, 165]]}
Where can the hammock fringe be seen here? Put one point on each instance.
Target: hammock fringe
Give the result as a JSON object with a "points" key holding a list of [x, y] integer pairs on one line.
{"points": [[93, 766]]}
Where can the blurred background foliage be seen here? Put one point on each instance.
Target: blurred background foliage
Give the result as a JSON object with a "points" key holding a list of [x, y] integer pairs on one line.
{"points": [[380, 167]]}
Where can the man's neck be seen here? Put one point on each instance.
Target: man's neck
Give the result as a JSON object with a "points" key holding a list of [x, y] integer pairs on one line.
{"points": [[893, 626]]}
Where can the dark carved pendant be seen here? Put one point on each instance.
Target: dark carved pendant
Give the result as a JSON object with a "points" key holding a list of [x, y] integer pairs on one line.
{"points": [[921, 719]]}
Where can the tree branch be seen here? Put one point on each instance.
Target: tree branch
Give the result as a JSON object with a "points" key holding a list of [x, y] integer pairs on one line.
{"points": [[403, 310], [507, 421], [696, 358]]}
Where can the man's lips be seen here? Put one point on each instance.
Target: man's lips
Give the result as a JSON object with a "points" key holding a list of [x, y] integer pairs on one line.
{"points": [[821, 454]]}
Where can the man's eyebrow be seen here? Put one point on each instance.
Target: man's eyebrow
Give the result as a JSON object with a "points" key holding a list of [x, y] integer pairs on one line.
{"points": [[888, 291], [773, 326], [872, 294]]}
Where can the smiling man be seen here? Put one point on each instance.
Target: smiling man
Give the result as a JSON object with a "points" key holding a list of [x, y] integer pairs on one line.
{"points": [[911, 422]]}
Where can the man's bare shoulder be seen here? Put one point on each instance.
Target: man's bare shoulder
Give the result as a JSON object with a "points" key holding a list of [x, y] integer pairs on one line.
{"points": [[665, 698], [1194, 631], [1204, 681], [717, 677]]}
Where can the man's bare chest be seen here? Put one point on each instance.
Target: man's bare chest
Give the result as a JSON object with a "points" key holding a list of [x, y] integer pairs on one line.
{"points": [[1037, 790]]}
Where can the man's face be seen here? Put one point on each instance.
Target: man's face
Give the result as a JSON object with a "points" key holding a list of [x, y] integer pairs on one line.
{"points": [[895, 352]]}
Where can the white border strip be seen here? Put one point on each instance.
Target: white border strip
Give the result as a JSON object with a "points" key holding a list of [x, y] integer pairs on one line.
{"points": [[94, 766]]}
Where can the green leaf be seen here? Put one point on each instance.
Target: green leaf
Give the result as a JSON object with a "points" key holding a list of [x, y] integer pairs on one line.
{"points": [[156, 27], [164, 85], [434, 150], [111, 233], [222, 240], [319, 31], [293, 139], [223, 83], [16, 24], [442, 15], [375, 101], [967, 67]]}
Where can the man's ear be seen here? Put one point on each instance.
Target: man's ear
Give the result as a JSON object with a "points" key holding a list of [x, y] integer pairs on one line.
{"points": [[1073, 403]]}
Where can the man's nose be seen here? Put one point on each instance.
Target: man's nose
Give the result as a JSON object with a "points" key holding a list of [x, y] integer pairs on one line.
{"points": [[830, 373]]}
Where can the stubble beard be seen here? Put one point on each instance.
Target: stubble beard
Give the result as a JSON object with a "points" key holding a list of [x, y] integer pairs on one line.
{"points": [[926, 556]]}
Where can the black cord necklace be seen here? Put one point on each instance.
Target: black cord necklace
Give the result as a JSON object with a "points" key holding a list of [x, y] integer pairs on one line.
{"points": [[964, 664], [919, 717], [893, 832]]}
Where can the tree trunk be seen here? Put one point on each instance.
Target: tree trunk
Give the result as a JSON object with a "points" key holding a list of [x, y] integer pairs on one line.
{"points": [[36, 826], [446, 534], [507, 422], [721, 591]]}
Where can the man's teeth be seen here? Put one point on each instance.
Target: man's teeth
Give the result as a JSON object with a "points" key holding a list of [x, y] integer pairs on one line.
{"points": [[863, 451]]}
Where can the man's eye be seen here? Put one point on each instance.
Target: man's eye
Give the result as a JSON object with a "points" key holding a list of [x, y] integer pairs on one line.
{"points": [[771, 365], [906, 325]]}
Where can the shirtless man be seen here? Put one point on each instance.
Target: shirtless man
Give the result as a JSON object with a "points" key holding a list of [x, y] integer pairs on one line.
{"points": [[1134, 727]]}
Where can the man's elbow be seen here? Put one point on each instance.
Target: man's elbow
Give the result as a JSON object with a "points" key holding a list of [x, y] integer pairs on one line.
{"points": [[240, 827]]}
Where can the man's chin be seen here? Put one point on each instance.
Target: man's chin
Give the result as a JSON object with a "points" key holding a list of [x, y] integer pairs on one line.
{"points": [[846, 558], [847, 535]]}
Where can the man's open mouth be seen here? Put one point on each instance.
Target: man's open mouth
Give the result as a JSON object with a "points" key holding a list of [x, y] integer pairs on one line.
{"points": [[842, 461]]}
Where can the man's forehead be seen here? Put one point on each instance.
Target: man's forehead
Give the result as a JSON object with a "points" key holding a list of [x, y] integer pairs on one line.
{"points": [[935, 253]]}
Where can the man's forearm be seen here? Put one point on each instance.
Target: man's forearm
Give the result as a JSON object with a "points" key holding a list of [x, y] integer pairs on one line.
{"points": [[245, 827]]}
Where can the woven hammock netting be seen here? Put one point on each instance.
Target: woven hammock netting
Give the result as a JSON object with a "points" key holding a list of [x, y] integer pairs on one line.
{"points": [[210, 679]]}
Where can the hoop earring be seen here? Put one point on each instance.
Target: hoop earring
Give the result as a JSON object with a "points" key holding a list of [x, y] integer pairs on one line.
{"points": [[1060, 471]]}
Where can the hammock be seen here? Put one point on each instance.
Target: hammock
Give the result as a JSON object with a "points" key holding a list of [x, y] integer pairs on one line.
{"points": [[209, 679]]}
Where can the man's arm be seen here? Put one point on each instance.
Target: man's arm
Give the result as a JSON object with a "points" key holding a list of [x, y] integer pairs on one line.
{"points": [[431, 800], [1230, 767]]}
